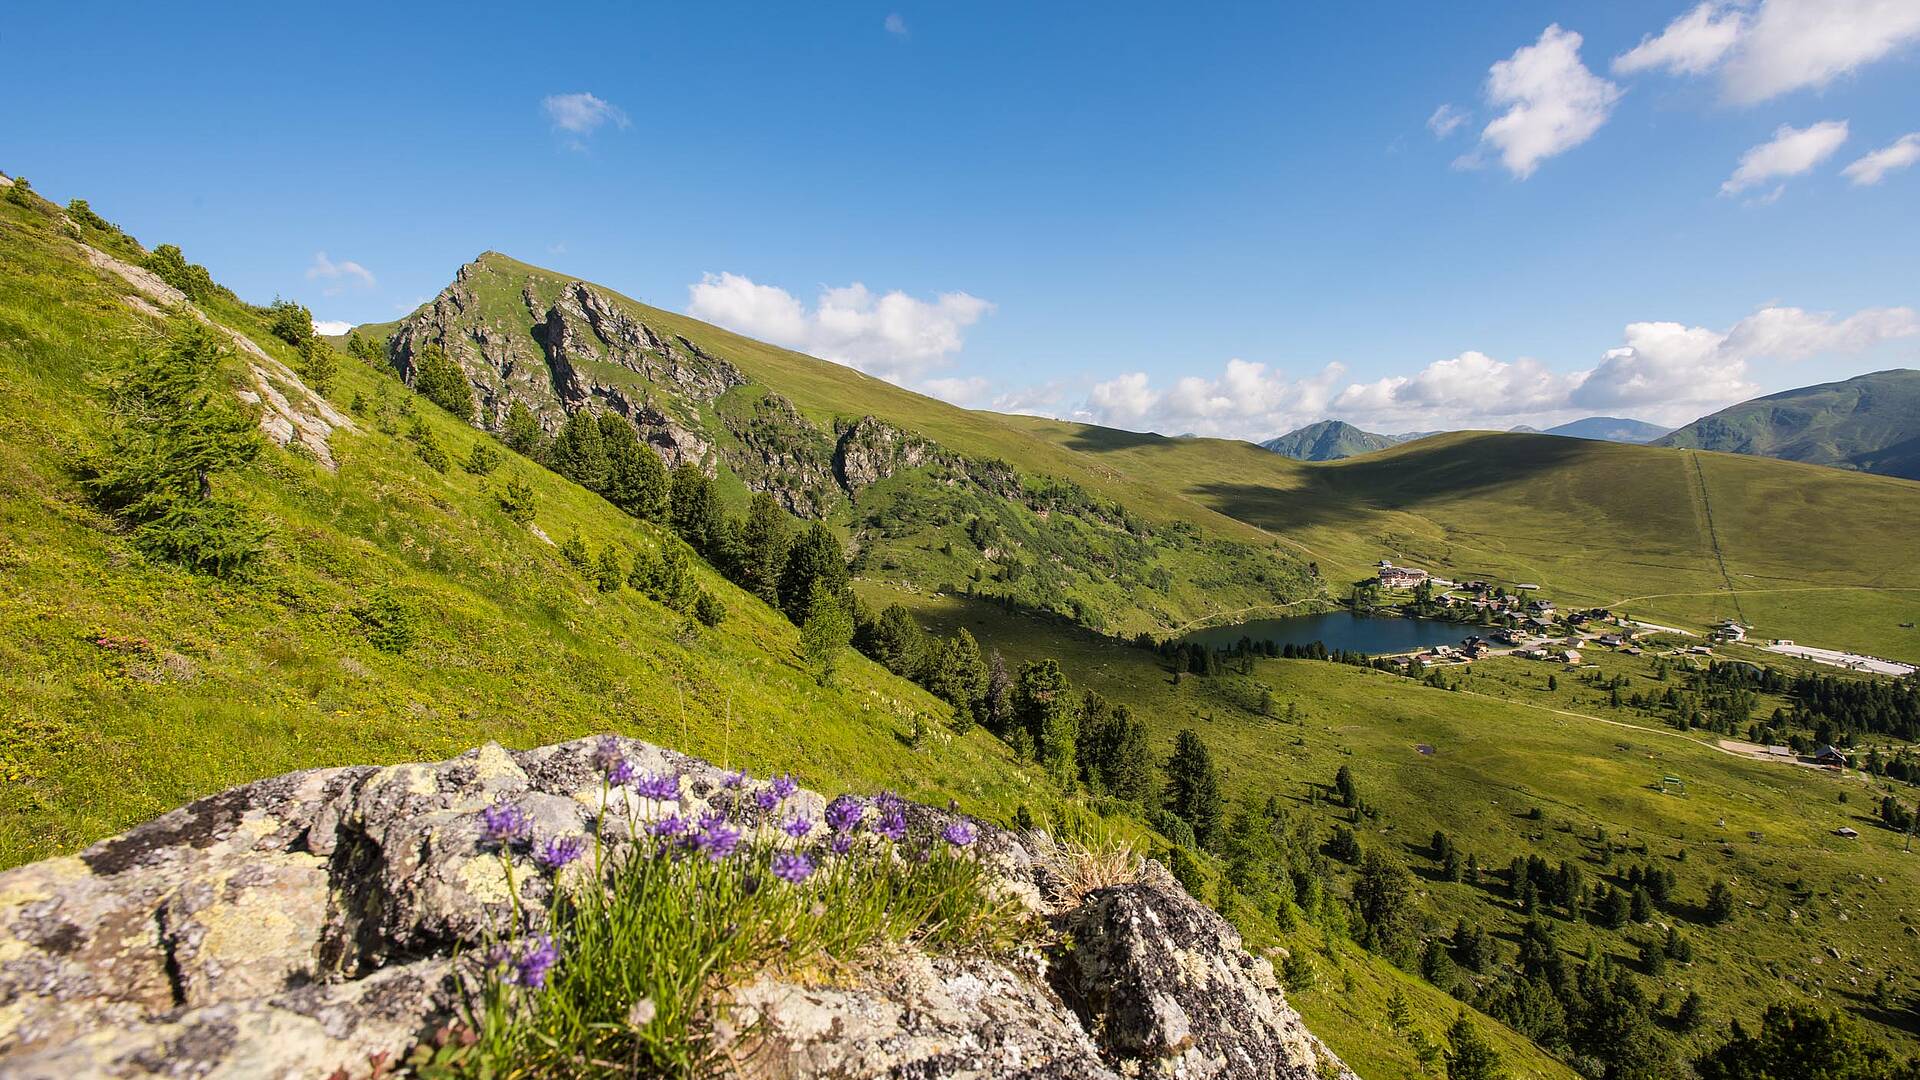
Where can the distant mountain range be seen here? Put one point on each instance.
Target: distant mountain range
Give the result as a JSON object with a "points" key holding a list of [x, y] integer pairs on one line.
{"points": [[1870, 423], [1610, 429], [1331, 440]]}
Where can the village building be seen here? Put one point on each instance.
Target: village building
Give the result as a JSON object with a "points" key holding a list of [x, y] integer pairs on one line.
{"points": [[1399, 577], [1831, 758]]}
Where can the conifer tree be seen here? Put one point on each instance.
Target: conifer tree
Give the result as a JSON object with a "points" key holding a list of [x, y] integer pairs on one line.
{"points": [[440, 379], [764, 540], [579, 453], [636, 480], [1043, 705], [1193, 787], [521, 430], [1469, 1055], [825, 632], [959, 677], [174, 434], [815, 560]]}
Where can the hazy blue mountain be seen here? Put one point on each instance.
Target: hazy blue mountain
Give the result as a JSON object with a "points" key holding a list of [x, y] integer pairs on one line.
{"points": [[1869, 422]]}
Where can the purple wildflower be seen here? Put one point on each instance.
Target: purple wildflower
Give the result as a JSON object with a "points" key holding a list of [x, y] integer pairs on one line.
{"points": [[841, 843], [733, 781], [799, 828], [845, 812], [960, 832], [531, 969], [611, 761], [792, 867], [560, 851], [765, 799], [785, 785], [717, 838], [662, 787], [671, 825], [892, 823], [504, 822]]}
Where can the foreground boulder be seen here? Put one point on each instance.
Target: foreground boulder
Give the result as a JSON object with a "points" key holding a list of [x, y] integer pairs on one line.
{"points": [[306, 926]]}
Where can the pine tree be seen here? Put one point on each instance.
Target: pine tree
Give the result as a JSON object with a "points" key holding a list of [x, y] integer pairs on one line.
{"points": [[174, 432], [579, 453], [815, 561], [636, 480], [764, 540], [1193, 787], [1469, 1055], [319, 365], [516, 499], [574, 550], [825, 632], [898, 643], [996, 704], [1720, 902], [521, 430], [291, 322], [959, 677], [440, 379]]}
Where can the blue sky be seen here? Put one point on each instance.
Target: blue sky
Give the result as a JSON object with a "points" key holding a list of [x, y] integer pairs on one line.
{"points": [[1231, 220]]}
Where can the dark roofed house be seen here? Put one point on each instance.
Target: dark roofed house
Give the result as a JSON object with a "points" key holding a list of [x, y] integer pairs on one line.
{"points": [[1831, 758]]}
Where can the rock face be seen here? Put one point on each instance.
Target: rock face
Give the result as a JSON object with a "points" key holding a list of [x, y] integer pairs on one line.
{"points": [[306, 924]]}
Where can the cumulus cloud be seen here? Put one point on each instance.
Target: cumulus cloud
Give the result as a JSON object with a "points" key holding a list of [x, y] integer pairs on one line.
{"points": [[579, 115], [331, 327], [971, 391], [896, 24], [1790, 152], [1445, 121], [340, 275], [1673, 370], [1777, 48], [1794, 44], [1552, 102], [1690, 45], [1874, 167], [1662, 371], [892, 335]]}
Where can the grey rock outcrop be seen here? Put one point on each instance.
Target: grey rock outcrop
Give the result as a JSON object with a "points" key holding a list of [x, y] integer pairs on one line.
{"points": [[308, 923]]}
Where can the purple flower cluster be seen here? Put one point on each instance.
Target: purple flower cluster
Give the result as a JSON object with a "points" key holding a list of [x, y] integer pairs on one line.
{"points": [[798, 827], [716, 839], [845, 812], [663, 787], [504, 823], [526, 967], [766, 800], [785, 786], [734, 781], [670, 826], [892, 817], [560, 851], [960, 832], [792, 867], [612, 762]]}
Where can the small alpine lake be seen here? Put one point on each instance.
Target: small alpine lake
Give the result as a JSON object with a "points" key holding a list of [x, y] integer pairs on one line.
{"points": [[1341, 630]]}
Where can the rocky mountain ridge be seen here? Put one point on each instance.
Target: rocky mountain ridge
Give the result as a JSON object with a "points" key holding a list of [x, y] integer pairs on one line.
{"points": [[314, 925]]}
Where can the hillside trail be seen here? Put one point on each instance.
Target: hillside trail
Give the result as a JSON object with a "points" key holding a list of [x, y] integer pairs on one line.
{"points": [[1642, 729], [1713, 537], [1784, 589]]}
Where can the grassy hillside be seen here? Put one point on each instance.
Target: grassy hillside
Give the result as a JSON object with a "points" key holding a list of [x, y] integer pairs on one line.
{"points": [[128, 686], [1059, 532], [1869, 422], [1668, 535], [1503, 746]]}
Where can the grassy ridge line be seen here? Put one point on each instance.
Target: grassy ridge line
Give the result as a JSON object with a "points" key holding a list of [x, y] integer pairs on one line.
{"points": [[824, 390], [202, 684], [1592, 522]]}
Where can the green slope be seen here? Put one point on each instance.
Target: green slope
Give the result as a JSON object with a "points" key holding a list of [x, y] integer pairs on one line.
{"points": [[1060, 532], [1801, 552], [1869, 422], [1328, 440], [128, 687]]}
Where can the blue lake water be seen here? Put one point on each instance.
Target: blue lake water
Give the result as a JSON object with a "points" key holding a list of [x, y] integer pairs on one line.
{"points": [[1341, 630]]}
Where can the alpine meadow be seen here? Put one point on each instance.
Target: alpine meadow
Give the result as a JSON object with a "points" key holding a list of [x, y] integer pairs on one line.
{"points": [[1309, 544]]}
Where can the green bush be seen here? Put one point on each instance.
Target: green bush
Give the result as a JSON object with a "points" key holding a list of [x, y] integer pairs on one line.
{"points": [[291, 322], [708, 609], [483, 459], [428, 447], [172, 266], [440, 379], [174, 433], [388, 620], [574, 550], [517, 499], [319, 364]]}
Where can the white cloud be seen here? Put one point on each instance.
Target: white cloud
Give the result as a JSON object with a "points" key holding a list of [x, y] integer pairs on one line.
{"points": [[1790, 152], [1445, 121], [892, 335], [896, 24], [1780, 47], [1662, 371], [1690, 45], [1552, 102], [1676, 371], [1875, 166], [331, 327], [1793, 44], [971, 391], [580, 115], [343, 274]]}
